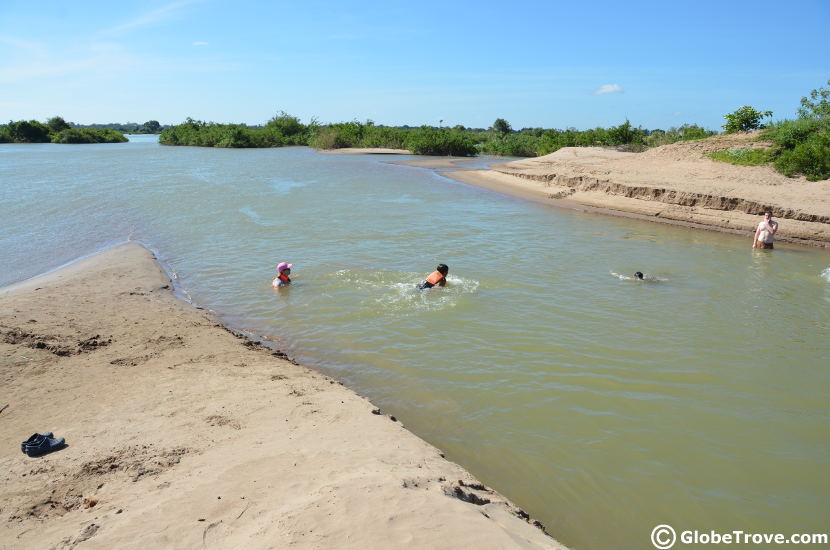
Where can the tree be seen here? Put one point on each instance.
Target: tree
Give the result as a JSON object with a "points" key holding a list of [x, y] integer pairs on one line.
{"points": [[57, 124], [502, 126], [818, 104], [624, 134], [151, 127], [744, 119], [30, 131], [287, 125]]}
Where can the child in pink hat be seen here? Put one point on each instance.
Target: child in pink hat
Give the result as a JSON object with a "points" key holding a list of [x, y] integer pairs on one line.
{"points": [[283, 272]]}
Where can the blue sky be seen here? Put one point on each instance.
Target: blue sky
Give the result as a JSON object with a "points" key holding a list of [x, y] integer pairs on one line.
{"points": [[536, 63]]}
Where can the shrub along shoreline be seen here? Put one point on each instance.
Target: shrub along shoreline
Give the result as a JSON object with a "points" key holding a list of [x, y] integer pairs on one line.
{"points": [[56, 130], [285, 129]]}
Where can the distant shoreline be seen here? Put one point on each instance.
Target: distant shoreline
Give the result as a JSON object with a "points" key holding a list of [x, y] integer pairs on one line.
{"points": [[365, 151]]}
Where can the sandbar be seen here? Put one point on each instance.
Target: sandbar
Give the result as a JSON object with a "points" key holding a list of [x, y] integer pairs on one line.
{"points": [[675, 184]]}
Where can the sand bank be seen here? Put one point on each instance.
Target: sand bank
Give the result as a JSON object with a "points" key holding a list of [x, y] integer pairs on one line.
{"points": [[184, 435], [675, 184], [365, 151]]}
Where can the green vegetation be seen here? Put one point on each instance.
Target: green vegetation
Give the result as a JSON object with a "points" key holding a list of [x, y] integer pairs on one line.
{"points": [[441, 141], [816, 105], [499, 140], [88, 135], [280, 130], [425, 140], [744, 119], [56, 130], [687, 132], [800, 146], [745, 156], [149, 127], [501, 126]]}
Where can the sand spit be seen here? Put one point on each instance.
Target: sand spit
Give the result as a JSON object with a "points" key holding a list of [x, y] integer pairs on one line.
{"points": [[675, 183], [182, 434], [365, 151]]}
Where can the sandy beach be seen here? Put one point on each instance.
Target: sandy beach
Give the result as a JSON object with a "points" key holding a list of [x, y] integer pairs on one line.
{"points": [[182, 434], [676, 184]]}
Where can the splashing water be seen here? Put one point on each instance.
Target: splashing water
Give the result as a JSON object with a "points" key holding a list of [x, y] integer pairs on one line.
{"points": [[646, 278], [388, 292]]}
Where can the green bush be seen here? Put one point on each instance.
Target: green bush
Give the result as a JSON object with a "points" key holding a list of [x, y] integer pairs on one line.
{"points": [[816, 105], [687, 132], [789, 133], [338, 136], [427, 140], [57, 124], [56, 130], [88, 135], [802, 146], [744, 119], [24, 131], [624, 134], [811, 157], [384, 137], [512, 145], [201, 134], [285, 129]]}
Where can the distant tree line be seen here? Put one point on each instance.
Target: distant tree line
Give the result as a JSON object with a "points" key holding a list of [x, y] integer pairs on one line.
{"points": [[55, 130], [149, 127], [500, 139]]}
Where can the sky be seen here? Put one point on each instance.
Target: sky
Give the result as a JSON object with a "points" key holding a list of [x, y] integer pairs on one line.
{"points": [[549, 64]]}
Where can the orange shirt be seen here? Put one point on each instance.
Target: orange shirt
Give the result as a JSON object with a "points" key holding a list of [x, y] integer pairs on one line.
{"points": [[435, 277]]}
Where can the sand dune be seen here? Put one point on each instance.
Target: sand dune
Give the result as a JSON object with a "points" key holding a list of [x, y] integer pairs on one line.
{"points": [[675, 183]]}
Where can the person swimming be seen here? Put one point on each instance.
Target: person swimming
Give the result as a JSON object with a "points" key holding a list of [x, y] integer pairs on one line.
{"points": [[283, 272], [638, 275], [436, 278]]}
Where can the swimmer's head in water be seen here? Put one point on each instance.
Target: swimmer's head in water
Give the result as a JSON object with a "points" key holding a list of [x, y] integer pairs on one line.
{"points": [[284, 266], [639, 274], [442, 269]]}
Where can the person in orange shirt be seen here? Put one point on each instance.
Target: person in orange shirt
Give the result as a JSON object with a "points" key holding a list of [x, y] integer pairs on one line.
{"points": [[283, 272], [436, 278]]}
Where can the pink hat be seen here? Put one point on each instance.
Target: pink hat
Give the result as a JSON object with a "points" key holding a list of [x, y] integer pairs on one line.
{"points": [[283, 266]]}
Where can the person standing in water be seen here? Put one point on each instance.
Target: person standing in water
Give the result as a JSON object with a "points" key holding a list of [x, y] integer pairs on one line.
{"points": [[765, 231], [283, 272], [436, 278]]}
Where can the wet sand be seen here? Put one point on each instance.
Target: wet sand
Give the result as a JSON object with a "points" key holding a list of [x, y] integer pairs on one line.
{"points": [[182, 434]]}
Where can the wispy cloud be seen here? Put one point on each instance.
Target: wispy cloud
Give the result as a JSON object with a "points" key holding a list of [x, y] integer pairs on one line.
{"points": [[609, 89], [95, 61], [200, 43], [159, 15], [32, 47]]}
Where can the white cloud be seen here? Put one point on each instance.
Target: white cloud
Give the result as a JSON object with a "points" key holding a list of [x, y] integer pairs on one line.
{"points": [[609, 89], [200, 43]]}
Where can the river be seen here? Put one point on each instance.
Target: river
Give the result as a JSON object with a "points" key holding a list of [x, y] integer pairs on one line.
{"points": [[601, 405]]}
